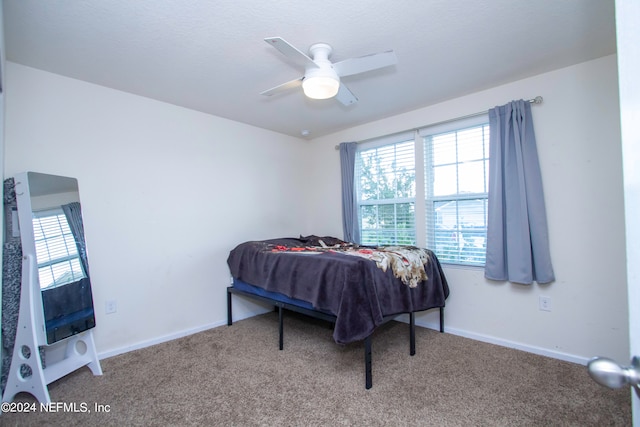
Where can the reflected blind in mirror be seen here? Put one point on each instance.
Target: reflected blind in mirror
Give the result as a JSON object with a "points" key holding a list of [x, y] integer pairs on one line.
{"points": [[56, 250]]}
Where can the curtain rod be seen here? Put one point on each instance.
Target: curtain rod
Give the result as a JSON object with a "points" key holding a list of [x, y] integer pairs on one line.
{"points": [[536, 100]]}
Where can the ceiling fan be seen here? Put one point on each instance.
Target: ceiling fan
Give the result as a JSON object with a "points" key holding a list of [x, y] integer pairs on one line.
{"points": [[321, 78]]}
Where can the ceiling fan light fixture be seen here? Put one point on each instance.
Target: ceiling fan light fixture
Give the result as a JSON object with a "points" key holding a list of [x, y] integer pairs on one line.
{"points": [[320, 87]]}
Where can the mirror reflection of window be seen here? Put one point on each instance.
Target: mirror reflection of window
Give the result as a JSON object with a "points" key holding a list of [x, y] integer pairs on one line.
{"points": [[56, 249], [50, 204]]}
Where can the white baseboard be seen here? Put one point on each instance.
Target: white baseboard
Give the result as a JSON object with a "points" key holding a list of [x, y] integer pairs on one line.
{"points": [[148, 343], [506, 343], [159, 340], [429, 325]]}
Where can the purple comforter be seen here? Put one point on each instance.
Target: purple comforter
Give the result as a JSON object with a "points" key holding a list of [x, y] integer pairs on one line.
{"points": [[352, 288]]}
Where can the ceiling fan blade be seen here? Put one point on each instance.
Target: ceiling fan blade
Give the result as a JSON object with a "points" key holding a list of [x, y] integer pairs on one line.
{"points": [[345, 96], [290, 51], [283, 87], [352, 66]]}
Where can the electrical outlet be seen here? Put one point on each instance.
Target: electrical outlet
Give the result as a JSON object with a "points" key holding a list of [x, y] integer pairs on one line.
{"points": [[110, 307], [544, 303]]}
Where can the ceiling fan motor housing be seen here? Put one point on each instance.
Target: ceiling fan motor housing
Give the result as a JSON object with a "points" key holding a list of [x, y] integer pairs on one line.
{"points": [[322, 81]]}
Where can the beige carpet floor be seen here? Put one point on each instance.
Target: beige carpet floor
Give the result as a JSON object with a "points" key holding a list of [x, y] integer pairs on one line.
{"points": [[236, 376]]}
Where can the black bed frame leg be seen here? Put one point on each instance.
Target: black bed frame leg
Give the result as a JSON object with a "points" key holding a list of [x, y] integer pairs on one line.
{"points": [[280, 327], [412, 333], [367, 363], [441, 319], [229, 316]]}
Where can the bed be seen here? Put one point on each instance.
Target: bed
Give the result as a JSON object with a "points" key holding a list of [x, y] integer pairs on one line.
{"points": [[357, 288]]}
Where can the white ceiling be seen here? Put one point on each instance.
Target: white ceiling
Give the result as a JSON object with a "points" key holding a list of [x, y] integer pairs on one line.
{"points": [[210, 55]]}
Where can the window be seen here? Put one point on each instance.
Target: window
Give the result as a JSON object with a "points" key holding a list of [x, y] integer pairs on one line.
{"points": [[386, 192], [456, 184], [56, 250], [427, 188]]}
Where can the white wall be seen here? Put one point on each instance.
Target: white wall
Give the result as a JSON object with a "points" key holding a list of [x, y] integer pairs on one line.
{"points": [[578, 135], [166, 192]]}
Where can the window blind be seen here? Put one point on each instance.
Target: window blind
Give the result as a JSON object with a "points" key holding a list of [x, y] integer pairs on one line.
{"points": [[56, 250], [446, 210], [386, 191], [457, 166]]}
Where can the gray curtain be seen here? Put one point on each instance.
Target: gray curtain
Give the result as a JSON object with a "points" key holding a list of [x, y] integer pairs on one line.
{"points": [[350, 225], [517, 236], [73, 213]]}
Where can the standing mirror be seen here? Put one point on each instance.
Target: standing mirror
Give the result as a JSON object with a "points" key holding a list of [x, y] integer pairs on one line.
{"points": [[56, 304], [60, 252]]}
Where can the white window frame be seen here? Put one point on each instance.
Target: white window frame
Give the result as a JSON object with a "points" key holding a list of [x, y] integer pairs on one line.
{"points": [[424, 237], [429, 198], [72, 256], [379, 143]]}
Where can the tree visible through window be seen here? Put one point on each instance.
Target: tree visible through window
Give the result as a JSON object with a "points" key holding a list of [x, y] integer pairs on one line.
{"points": [[386, 191]]}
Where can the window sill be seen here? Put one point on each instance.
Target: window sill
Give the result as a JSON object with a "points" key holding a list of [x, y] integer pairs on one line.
{"points": [[463, 267]]}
